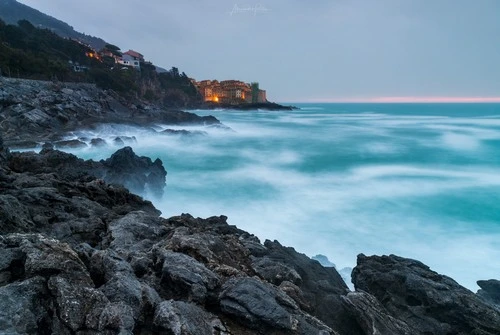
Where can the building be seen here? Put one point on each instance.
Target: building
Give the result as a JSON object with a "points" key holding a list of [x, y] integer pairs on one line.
{"points": [[230, 91], [128, 60], [135, 55]]}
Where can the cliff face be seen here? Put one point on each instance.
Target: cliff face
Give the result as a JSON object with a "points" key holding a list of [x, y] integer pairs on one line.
{"points": [[80, 256]]}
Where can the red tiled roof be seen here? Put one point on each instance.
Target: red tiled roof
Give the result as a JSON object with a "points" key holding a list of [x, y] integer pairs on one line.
{"points": [[134, 54]]}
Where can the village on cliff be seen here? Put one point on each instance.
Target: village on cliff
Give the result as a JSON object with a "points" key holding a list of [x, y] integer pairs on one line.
{"points": [[233, 92]]}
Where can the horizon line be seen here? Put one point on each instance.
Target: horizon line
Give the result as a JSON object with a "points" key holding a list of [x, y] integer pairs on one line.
{"points": [[407, 99]]}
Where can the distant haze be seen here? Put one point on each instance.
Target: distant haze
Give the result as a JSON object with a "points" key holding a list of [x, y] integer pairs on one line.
{"points": [[323, 50]]}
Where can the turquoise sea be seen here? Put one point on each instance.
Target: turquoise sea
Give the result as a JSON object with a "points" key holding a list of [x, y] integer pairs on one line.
{"points": [[416, 180]]}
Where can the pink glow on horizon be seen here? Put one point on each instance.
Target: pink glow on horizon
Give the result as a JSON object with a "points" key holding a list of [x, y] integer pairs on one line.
{"points": [[412, 100], [436, 99]]}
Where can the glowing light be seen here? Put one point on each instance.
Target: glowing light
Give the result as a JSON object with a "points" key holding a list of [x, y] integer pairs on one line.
{"points": [[216, 99]]}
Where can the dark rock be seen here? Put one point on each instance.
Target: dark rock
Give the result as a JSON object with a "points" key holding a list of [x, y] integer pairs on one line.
{"points": [[124, 288], [423, 299], [184, 132], [138, 174], [271, 106], [57, 113], [117, 317], [118, 142], [136, 231], [323, 260], [47, 146], [275, 272], [24, 145], [70, 144], [75, 302], [372, 316], [181, 318], [490, 291], [124, 167], [252, 302], [267, 309], [322, 288], [97, 142], [21, 310], [182, 273]]}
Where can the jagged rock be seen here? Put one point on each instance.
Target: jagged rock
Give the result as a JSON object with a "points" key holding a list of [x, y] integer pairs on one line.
{"points": [[76, 303], [252, 302], [124, 288], [138, 174], [275, 272], [181, 318], [265, 308], [182, 273], [70, 144], [490, 291], [323, 260], [118, 142], [423, 299], [322, 288], [124, 167], [372, 316], [118, 317], [97, 142], [21, 307], [136, 231], [184, 132]]}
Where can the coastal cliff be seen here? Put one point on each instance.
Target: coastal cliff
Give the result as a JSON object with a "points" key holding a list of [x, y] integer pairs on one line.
{"points": [[81, 256]]}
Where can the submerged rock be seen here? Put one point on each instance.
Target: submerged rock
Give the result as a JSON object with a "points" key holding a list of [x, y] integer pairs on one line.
{"points": [[70, 144], [97, 142]]}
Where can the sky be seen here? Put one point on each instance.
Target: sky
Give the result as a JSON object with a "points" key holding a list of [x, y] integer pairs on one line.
{"points": [[320, 50]]}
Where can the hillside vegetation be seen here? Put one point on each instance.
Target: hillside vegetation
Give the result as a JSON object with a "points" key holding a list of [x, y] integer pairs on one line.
{"points": [[30, 52]]}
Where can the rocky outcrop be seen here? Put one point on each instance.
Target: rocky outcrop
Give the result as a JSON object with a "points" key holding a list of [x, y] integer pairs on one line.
{"points": [[490, 291], [429, 303], [81, 256], [124, 167], [47, 111], [270, 106]]}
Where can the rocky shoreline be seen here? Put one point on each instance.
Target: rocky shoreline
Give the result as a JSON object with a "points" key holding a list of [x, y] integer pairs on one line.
{"points": [[270, 106], [79, 255], [36, 112]]}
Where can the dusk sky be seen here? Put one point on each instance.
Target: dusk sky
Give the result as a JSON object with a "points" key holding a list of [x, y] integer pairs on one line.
{"points": [[322, 50]]}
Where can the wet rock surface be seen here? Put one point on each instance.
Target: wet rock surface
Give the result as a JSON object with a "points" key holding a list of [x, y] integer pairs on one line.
{"points": [[81, 256]]}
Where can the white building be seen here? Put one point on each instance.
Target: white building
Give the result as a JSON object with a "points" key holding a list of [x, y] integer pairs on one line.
{"points": [[128, 60]]}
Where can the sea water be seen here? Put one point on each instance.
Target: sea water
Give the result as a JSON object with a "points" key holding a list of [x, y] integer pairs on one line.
{"points": [[417, 180]]}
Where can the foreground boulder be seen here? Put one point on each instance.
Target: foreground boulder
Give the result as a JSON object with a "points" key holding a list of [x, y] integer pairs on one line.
{"points": [[426, 301]]}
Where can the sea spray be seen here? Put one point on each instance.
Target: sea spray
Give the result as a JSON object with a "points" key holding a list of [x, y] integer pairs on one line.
{"points": [[419, 180]]}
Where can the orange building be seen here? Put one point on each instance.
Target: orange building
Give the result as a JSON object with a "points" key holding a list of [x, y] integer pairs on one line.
{"points": [[228, 91]]}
